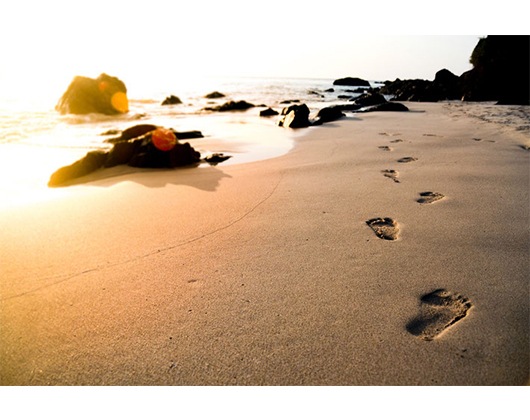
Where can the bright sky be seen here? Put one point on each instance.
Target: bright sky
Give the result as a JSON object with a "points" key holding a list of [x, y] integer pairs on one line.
{"points": [[136, 41]]}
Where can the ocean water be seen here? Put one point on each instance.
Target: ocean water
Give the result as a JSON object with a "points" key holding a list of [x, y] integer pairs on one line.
{"points": [[35, 139]]}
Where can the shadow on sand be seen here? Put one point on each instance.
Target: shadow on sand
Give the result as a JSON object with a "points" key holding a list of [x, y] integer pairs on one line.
{"points": [[203, 177]]}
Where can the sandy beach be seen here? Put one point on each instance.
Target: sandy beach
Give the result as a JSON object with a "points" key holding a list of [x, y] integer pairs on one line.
{"points": [[267, 273]]}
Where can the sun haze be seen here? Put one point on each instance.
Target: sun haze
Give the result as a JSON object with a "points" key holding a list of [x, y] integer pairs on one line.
{"points": [[50, 42]]}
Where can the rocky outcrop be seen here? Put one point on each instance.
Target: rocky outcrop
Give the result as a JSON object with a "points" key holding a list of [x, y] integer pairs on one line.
{"points": [[214, 95], [104, 95], [370, 102], [140, 152], [501, 69], [351, 81], [172, 100], [445, 86], [295, 116]]}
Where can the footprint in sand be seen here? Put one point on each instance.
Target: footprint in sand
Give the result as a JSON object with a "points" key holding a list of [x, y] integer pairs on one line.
{"points": [[384, 228], [438, 311], [385, 148], [396, 141], [429, 197], [391, 173], [407, 159]]}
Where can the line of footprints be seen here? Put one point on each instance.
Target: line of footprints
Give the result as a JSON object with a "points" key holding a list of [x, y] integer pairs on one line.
{"points": [[440, 308]]}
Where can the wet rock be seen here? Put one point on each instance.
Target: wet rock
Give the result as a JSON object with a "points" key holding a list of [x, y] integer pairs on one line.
{"points": [[328, 114], [216, 158], [172, 100], [295, 116], [370, 99], [231, 106], [139, 152], [269, 112]]}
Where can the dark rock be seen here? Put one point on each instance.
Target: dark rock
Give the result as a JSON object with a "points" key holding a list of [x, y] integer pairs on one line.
{"points": [[347, 107], [369, 99], [290, 101], [214, 95], [132, 133], [142, 129], [92, 161], [269, 112], [328, 114], [140, 153], [345, 97], [330, 90], [172, 100], [216, 158], [351, 81], [387, 106], [295, 116], [501, 68], [185, 135], [231, 106], [146, 155], [122, 153], [104, 95], [417, 90]]}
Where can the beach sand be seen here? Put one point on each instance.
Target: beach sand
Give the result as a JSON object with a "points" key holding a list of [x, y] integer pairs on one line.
{"points": [[312, 268]]}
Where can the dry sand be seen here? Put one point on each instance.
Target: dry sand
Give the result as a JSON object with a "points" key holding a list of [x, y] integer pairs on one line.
{"points": [[267, 273]]}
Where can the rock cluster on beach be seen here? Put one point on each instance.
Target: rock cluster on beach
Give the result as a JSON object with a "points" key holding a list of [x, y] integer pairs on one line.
{"points": [[501, 68], [103, 95], [139, 146]]}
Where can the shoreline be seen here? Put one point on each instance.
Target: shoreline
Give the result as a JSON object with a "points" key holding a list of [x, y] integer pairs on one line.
{"points": [[266, 273]]}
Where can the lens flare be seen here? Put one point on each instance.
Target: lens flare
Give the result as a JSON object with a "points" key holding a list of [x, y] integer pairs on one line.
{"points": [[163, 139], [120, 102]]}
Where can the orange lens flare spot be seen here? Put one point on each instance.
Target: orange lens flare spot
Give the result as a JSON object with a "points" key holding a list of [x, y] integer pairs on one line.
{"points": [[120, 102], [163, 139]]}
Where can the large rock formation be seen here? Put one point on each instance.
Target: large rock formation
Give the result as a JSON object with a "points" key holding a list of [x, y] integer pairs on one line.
{"points": [[104, 95], [445, 86], [501, 70]]}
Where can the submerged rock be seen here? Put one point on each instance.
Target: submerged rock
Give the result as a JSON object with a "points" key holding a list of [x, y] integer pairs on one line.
{"points": [[172, 100], [104, 95], [214, 95]]}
